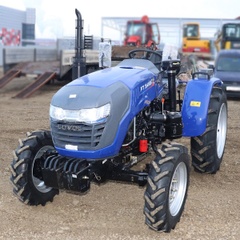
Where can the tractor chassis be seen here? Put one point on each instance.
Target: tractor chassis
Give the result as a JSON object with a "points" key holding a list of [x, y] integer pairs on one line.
{"points": [[76, 174]]}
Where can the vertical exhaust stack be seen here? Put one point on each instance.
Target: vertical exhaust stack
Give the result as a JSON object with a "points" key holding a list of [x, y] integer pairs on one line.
{"points": [[79, 61]]}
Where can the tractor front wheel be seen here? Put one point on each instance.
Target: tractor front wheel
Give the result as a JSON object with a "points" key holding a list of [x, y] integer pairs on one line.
{"points": [[167, 187], [27, 180]]}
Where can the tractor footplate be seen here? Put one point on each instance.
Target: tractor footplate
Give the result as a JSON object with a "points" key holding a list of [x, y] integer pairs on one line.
{"points": [[66, 173]]}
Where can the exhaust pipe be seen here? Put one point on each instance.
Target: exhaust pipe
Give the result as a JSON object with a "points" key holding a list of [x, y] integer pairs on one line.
{"points": [[79, 61]]}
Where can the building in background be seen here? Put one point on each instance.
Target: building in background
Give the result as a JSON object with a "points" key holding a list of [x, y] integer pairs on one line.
{"points": [[17, 28]]}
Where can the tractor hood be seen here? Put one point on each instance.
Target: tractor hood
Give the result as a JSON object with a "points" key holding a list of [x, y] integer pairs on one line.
{"points": [[90, 116], [98, 88]]}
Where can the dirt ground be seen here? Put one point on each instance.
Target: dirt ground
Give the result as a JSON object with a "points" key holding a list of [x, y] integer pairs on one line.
{"points": [[114, 210]]}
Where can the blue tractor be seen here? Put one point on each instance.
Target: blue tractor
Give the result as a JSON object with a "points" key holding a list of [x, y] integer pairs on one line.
{"points": [[103, 124]]}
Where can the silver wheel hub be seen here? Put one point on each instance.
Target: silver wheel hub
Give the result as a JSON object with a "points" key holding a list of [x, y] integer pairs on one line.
{"points": [[178, 188], [221, 130], [38, 183]]}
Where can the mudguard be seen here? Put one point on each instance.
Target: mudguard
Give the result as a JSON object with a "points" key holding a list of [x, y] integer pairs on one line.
{"points": [[195, 105]]}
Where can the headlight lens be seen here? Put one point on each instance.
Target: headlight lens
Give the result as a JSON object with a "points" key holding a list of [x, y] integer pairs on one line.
{"points": [[90, 115]]}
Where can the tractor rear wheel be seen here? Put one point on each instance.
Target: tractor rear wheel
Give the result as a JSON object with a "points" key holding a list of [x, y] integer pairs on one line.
{"points": [[167, 187], [28, 184], [207, 149]]}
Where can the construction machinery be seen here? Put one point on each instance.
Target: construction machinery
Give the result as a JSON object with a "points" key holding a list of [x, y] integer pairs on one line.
{"points": [[192, 44], [141, 32], [228, 37]]}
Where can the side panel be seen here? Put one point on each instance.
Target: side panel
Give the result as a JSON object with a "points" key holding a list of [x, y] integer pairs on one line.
{"points": [[195, 106]]}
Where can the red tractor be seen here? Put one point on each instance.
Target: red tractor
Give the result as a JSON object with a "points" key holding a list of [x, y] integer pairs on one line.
{"points": [[141, 33]]}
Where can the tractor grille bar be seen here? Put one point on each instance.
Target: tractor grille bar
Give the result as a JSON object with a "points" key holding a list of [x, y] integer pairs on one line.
{"points": [[84, 136]]}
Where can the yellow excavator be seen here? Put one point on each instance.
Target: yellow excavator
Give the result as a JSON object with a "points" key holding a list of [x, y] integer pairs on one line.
{"points": [[192, 44], [228, 37]]}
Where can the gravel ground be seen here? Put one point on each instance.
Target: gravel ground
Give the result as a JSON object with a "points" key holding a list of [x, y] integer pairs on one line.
{"points": [[112, 210]]}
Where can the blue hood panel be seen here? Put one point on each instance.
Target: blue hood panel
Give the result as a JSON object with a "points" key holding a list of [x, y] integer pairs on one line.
{"points": [[128, 89], [106, 77]]}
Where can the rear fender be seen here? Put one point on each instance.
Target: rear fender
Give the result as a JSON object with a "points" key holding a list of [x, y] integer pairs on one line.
{"points": [[195, 105]]}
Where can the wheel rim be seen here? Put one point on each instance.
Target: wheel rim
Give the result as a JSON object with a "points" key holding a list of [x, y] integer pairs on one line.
{"points": [[36, 173], [178, 188], [221, 130]]}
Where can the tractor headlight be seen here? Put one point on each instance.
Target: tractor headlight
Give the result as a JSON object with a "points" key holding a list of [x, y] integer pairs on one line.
{"points": [[88, 115]]}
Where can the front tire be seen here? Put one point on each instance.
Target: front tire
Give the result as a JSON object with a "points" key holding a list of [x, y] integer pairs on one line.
{"points": [[167, 187], [28, 184], [207, 149]]}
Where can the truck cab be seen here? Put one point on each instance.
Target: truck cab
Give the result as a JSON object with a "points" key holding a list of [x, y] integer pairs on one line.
{"points": [[230, 36], [140, 32]]}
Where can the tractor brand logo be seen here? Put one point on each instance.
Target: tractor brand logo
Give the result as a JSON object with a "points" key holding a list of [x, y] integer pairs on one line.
{"points": [[195, 104], [70, 128], [146, 85]]}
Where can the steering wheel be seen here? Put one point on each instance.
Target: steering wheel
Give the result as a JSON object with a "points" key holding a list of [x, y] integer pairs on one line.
{"points": [[147, 53]]}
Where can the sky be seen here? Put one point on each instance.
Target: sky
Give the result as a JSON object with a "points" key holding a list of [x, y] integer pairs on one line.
{"points": [[56, 19]]}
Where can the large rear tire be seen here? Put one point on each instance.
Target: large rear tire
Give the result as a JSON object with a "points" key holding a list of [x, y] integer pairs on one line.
{"points": [[167, 187], [207, 149], [26, 176]]}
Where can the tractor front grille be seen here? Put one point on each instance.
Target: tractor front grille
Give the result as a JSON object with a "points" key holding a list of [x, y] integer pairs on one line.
{"points": [[82, 136]]}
